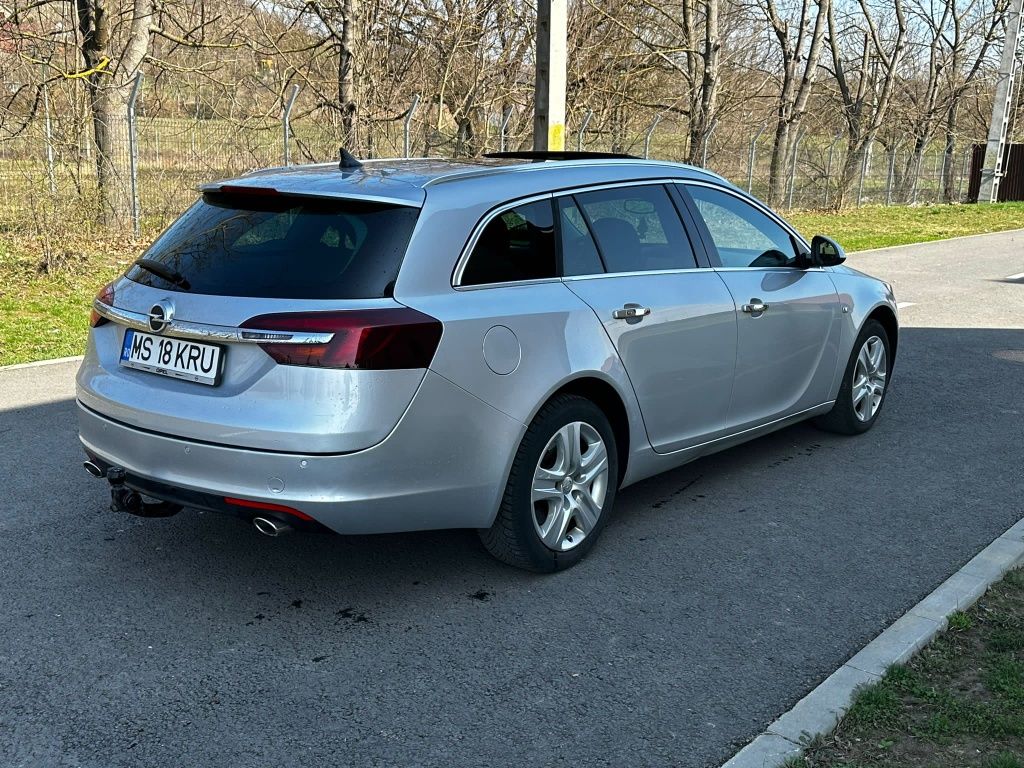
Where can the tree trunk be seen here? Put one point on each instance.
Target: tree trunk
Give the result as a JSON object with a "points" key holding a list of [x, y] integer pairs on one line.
{"points": [[109, 86], [778, 172], [113, 170], [704, 99], [852, 163], [949, 155], [348, 87], [464, 138], [906, 187]]}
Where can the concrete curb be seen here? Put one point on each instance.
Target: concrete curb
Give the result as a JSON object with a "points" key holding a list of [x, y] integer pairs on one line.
{"points": [[40, 363], [819, 712]]}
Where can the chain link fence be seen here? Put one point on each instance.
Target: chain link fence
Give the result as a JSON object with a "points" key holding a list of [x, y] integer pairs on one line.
{"points": [[48, 175]]}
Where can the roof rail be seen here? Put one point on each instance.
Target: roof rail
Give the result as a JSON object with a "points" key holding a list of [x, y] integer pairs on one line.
{"points": [[559, 155]]}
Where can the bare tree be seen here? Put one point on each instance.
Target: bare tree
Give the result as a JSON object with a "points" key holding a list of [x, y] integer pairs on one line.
{"points": [[865, 73], [800, 46], [113, 47], [953, 45]]}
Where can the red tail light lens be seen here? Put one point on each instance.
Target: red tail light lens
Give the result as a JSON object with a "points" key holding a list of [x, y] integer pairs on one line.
{"points": [[264, 505], [105, 296], [370, 339]]}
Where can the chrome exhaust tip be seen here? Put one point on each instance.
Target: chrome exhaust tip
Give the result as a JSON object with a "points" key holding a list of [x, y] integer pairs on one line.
{"points": [[92, 468], [270, 527]]}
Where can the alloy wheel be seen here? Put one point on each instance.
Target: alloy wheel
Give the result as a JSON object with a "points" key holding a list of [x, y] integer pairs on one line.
{"points": [[869, 378], [569, 486]]}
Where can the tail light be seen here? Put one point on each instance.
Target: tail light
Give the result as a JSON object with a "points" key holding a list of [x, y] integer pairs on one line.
{"points": [[373, 339], [105, 296]]}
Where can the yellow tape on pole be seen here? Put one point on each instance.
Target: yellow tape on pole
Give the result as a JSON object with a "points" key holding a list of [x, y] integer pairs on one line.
{"points": [[556, 138]]}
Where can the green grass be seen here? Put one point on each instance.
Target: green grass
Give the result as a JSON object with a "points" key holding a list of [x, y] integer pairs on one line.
{"points": [[960, 704], [859, 229], [44, 302], [51, 268]]}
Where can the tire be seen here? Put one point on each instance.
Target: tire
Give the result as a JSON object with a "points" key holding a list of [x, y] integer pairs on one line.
{"points": [[543, 455], [847, 417]]}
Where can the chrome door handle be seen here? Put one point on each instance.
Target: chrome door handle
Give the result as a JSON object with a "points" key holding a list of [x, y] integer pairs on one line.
{"points": [[630, 312], [755, 307]]}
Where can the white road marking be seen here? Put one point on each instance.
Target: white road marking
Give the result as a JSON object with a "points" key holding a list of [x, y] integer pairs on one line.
{"points": [[1018, 276], [905, 304]]}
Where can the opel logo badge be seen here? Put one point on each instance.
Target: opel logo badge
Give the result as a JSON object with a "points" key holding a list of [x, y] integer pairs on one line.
{"points": [[160, 316]]}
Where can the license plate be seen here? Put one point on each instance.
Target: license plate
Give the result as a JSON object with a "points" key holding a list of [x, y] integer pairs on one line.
{"points": [[178, 358]]}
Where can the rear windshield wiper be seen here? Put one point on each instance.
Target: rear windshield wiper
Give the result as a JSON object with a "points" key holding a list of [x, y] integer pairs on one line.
{"points": [[162, 270]]}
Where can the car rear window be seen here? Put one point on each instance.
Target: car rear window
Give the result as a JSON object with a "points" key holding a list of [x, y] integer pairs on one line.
{"points": [[282, 247]]}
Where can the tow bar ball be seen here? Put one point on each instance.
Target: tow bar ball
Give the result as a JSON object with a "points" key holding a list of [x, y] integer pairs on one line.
{"points": [[125, 499]]}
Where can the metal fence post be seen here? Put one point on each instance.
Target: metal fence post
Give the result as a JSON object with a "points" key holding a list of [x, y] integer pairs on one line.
{"points": [[963, 173], [707, 138], [583, 130], [408, 124], [286, 121], [792, 168], [133, 154], [828, 167], [890, 176], [751, 156], [917, 175], [504, 126], [48, 134], [647, 136]]}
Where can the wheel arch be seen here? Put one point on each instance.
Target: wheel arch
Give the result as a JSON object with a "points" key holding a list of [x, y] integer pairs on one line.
{"points": [[887, 317], [606, 397]]}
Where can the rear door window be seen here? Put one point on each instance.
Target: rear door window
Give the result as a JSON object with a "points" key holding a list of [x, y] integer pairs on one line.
{"points": [[579, 254], [515, 245], [637, 229], [283, 247]]}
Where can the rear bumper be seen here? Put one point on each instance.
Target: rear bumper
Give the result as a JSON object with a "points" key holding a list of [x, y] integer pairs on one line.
{"points": [[443, 466]]}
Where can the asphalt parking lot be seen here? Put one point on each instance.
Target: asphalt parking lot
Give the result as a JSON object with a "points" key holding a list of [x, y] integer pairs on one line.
{"points": [[720, 594]]}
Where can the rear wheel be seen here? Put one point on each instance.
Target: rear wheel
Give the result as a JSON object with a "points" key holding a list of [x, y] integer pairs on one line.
{"points": [[865, 383], [560, 490]]}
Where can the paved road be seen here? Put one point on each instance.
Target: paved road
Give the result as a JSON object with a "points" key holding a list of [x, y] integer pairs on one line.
{"points": [[721, 593]]}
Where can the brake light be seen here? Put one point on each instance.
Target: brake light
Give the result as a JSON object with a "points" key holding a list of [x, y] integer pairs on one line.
{"points": [[245, 189], [371, 339], [105, 296]]}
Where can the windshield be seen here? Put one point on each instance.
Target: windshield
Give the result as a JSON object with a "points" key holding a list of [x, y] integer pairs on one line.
{"points": [[281, 246]]}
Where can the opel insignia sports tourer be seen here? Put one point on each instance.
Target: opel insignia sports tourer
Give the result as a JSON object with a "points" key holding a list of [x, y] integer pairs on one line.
{"points": [[499, 344]]}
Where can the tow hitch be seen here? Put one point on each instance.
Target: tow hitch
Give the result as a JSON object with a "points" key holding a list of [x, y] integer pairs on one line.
{"points": [[124, 499]]}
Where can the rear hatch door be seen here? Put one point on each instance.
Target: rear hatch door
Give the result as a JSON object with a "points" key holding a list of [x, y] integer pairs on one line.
{"points": [[269, 323]]}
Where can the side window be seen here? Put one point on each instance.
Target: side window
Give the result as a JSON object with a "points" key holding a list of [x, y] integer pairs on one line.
{"points": [[637, 229], [579, 254], [517, 244], [743, 236]]}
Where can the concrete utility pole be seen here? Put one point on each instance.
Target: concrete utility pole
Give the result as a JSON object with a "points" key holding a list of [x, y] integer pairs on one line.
{"points": [[992, 170], [549, 92]]}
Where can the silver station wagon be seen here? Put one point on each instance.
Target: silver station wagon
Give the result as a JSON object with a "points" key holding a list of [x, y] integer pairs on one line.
{"points": [[499, 344]]}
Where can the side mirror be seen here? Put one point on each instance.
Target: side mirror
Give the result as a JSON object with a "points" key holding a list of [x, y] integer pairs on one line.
{"points": [[826, 252]]}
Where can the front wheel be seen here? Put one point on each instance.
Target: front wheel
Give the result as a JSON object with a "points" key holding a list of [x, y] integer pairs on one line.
{"points": [[865, 384], [560, 490]]}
